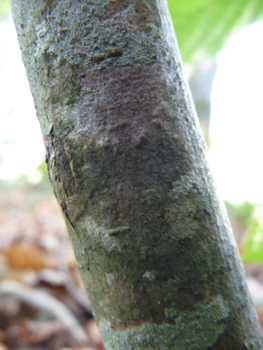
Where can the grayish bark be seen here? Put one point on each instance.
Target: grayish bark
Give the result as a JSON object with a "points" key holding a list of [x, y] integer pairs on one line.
{"points": [[127, 164]]}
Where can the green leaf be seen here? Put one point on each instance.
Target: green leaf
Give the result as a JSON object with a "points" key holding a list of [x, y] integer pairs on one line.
{"points": [[205, 25], [253, 244], [4, 8]]}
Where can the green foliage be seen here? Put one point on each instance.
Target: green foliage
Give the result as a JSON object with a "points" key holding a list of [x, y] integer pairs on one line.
{"points": [[249, 217], [253, 243], [4, 8], [205, 25], [40, 177], [242, 213]]}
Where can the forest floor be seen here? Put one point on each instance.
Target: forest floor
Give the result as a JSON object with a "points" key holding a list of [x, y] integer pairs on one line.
{"points": [[43, 305]]}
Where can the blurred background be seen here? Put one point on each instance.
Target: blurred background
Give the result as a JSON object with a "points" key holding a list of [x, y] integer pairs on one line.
{"points": [[41, 293]]}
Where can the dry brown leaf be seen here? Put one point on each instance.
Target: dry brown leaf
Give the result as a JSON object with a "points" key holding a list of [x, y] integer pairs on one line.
{"points": [[93, 332], [43, 300], [2, 337], [14, 275], [3, 347], [34, 333], [260, 317], [27, 256], [88, 348]]}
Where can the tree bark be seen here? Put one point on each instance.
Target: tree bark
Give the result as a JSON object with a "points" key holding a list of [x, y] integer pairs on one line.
{"points": [[127, 163]]}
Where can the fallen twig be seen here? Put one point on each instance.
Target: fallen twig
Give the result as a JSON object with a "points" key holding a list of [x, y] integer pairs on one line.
{"points": [[47, 302]]}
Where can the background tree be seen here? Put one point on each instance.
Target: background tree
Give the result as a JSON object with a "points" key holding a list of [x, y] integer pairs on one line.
{"points": [[127, 164]]}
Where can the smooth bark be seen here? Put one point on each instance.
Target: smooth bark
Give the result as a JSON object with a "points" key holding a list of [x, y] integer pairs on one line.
{"points": [[128, 167]]}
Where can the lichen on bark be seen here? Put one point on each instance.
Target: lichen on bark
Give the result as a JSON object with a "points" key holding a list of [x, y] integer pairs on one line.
{"points": [[203, 326], [128, 167]]}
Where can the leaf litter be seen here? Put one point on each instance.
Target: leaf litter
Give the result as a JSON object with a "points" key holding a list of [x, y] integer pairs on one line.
{"points": [[43, 304]]}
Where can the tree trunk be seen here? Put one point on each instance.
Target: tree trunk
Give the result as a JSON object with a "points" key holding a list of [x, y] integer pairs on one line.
{"points": [[128, 167]]}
